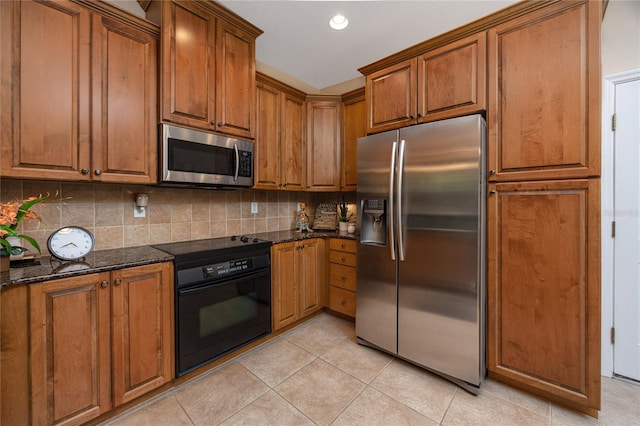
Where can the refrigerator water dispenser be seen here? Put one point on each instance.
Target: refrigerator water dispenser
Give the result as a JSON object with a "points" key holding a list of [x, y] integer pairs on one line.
{"points": [[373, 229]]}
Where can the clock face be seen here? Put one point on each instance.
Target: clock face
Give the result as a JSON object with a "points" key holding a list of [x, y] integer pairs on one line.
{"points": [[70, 243]]}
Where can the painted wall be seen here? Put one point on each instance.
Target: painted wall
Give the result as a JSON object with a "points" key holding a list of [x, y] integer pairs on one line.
{"points": [[621, 37]]}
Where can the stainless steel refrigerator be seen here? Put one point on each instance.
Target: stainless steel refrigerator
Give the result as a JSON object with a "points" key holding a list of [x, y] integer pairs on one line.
{"points": [[421, 252]]}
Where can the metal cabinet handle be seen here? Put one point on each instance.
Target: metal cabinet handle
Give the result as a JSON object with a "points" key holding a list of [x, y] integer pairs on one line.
{"points": [[412, 116], [492, 172], [84, 171], [117, 281], [343, 302], [213, 122], [98, 172], [344, 278], [344, 259], [343, 245], [419, 115], [492, 192], [104, 284]]}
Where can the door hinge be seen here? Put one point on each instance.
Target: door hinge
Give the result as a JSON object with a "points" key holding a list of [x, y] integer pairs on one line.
{"points": [[613, 122], [613, 335], [613, 229]]}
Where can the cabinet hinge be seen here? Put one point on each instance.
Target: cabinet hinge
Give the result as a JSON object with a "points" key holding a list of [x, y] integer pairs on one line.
{"points": [[613, 229], [613, 122], [613, 335]]}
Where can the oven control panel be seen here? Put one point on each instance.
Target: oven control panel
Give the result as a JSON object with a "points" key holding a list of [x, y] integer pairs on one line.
{"points": [[223, 269], [210, 271]]}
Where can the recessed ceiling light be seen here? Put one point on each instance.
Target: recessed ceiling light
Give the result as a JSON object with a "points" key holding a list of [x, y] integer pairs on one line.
{"points": [[338, 22]]}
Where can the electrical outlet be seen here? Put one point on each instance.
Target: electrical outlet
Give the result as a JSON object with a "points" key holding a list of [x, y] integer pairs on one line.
{"points": [[139, 212], [254, 207]]}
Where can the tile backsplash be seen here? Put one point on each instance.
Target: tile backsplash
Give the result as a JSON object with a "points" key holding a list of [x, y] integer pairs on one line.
{"points": [[173, 214]]}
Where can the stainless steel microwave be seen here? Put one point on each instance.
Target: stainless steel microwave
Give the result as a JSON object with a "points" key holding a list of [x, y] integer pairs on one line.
{"points": [[194, 158]]}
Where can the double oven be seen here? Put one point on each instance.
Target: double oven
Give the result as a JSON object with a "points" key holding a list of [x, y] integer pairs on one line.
{"points": [[222, 297]]}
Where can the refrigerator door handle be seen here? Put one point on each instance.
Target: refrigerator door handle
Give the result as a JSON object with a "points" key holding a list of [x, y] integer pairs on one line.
{"points": [[390, 207], [400, 172]]}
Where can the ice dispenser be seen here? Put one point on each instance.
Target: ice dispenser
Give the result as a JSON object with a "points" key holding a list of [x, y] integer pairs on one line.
{"points": [[373, 229]]}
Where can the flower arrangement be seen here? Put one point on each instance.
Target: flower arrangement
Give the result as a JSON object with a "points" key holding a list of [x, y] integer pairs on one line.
{"points": [[11, 214]]}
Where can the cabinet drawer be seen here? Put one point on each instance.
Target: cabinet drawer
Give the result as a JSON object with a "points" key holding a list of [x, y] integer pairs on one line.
{"points": [[342, 276], [343, 301], [342, 258], [342, 244]]}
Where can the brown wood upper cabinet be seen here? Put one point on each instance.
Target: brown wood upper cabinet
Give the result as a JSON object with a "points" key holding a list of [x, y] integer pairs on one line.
{"points": [[544, 94], [79, 96], [444, 82], [98, 339], [323, 143], [280, 150], [208, 67], [353, 127]]}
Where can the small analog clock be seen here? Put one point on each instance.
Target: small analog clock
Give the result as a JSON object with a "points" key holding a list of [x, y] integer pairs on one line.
{"points": [[70, 243]]}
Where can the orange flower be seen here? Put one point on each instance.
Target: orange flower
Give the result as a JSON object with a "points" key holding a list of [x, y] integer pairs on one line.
{"points": [[11, 214]]}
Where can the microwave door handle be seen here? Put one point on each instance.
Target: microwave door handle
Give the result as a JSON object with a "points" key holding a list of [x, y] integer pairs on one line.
{"points": [[235, 149]]}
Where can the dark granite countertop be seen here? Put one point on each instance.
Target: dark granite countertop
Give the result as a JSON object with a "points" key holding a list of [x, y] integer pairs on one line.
{"points": [[287, 236], [97, 261], [107, 260]]}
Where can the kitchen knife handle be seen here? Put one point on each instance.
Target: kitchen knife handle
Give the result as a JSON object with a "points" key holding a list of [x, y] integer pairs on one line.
{"points": [[390, 205], [399, 201]]}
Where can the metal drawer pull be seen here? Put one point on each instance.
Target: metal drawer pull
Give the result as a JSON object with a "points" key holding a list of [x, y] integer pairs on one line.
{"points": [[117, 281], [344, 259], [343, 302], [104, 284]]}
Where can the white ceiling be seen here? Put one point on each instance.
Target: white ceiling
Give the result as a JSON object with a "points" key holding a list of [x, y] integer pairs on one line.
{"points": [[298, 42]]}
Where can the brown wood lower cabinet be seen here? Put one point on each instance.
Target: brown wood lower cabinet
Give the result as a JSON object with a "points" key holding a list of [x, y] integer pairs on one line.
{"points": [[94, 342], [342, 276], [297, 279], [544, 289]]}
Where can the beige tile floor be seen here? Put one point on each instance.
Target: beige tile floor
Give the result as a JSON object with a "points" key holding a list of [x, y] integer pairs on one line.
{"points": [[318, 374]]}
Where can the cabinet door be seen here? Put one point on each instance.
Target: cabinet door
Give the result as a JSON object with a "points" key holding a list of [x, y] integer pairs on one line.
{"points": [[323, 145], [391, 97], [235, 81], [353, 127], [293, 167], [142, 322], [544, 289], [452, 79], [44, 125], [312, 288], [70, 348], [188, 65], [267, 147], [284, 273], [544, 94], [124, 138]]}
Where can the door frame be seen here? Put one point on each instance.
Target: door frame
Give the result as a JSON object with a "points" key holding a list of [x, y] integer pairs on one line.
{"points": [[608, 107]]}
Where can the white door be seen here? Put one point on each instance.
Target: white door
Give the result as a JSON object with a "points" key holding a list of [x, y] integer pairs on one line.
{"points": [[626, 349]]}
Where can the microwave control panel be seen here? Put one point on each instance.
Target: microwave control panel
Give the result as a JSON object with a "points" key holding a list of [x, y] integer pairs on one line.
{"points": [[245, 164]]}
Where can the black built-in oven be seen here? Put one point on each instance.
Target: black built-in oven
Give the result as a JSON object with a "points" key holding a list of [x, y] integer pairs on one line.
{"points": [[223, 297]]}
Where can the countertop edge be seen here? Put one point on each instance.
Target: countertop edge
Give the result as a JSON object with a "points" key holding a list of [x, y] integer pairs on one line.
{"points": [[112, 259]]}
